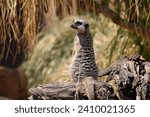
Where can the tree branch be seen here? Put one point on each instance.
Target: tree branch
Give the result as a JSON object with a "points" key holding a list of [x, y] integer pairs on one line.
{"points": [[143, 31]]}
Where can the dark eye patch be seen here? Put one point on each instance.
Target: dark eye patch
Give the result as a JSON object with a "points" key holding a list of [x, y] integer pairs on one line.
{"points": [[78, 23]]}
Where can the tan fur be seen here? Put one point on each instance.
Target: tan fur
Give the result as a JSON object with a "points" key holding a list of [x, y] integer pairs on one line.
{"points": [[81, 29], [88, 83], [76, 44]]}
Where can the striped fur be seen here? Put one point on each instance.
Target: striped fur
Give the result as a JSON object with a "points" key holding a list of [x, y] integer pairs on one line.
{"points": [[83, 64]]}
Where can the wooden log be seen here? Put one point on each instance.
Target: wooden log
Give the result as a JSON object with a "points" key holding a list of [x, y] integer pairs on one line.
{"points": [[71, 91], [131, 76]]}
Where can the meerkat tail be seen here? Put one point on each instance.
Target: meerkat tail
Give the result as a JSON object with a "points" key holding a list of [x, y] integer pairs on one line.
{"points": [[88, 83]]}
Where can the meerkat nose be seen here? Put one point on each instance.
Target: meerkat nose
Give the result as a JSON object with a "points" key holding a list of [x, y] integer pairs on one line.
{"points": [[73, 26]]}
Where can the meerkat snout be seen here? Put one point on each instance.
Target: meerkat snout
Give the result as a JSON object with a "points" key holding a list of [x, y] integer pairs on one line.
{"points": [[80, 25]]}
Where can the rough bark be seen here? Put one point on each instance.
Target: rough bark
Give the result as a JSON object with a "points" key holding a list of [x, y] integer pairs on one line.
{"points": [[131, 76]]}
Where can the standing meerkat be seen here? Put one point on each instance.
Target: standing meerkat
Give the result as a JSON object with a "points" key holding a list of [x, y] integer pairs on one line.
{"points": [[83, 63]]}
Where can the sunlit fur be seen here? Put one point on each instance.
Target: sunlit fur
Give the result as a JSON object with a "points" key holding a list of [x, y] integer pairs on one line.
{"points": [[80, 28]]}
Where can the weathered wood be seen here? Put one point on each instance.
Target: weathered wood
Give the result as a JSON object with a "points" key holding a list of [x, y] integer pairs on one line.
{"points": [[130, 74], [71, 91], [132, 77]]}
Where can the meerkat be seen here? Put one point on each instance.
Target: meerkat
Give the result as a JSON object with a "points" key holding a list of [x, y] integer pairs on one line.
{"points": [[83, 63]]}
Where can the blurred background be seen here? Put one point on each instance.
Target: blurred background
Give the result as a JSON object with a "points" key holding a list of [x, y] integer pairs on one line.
{"points": [[36, 40]]}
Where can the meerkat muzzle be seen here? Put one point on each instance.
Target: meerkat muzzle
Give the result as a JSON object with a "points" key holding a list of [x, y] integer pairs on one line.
{"points": [[73, 26]]}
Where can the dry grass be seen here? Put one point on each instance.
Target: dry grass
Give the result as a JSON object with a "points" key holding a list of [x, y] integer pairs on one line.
{"points": [[19, 22], [59, 9]]}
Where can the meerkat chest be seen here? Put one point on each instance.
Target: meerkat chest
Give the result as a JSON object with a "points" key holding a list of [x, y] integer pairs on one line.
{"points": [[83, 63], [77, 45]]}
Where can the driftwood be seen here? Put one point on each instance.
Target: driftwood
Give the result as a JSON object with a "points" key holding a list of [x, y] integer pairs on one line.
{"points": [[132, 77], [130, 74], [71, 91]]}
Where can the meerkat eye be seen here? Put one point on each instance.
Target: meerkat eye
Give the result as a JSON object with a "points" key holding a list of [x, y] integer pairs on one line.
{"points": [[78, 23]]}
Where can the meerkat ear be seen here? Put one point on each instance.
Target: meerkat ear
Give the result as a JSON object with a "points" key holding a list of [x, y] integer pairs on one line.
{"points": [[86, 26]]}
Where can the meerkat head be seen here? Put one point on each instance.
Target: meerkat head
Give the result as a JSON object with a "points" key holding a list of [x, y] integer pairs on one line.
{"points": [[80, 26]]}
